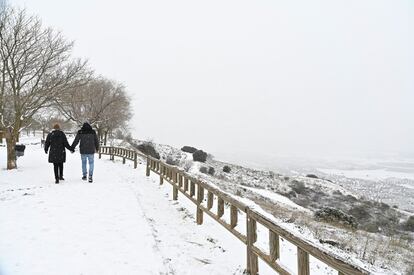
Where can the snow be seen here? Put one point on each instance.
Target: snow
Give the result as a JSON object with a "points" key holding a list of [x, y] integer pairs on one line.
{"points": [[123, 223], [277, 198], [368, 174]]}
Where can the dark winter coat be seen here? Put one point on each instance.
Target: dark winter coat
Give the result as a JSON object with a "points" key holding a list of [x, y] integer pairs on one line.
{"points": [[88, 139], [57, 142]]}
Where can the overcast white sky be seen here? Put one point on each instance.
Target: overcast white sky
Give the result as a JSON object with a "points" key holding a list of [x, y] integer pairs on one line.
{"points": [[231, 76]]}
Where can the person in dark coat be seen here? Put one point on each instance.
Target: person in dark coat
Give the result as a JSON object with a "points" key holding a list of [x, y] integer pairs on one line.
{"points": [[89, 145], [57, 142]]}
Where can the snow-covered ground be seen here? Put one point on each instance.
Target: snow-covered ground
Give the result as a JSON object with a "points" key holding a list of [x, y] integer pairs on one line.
{"points": [[123, 223], [369, 174], [272, 192]]}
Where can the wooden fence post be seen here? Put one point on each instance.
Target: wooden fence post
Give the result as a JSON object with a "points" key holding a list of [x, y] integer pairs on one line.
{"points": [[148, 166], [252, 259], [100, 152], [161, 174], [200, 197], [175, 188], [220, 207], [175, 192], [192, 188], [233, 216], [210, 199], [180, 180], [303, 262], [185, 184], [274, 246], [135, 160]]}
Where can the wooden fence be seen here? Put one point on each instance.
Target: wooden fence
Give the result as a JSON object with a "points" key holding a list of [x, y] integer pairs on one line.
{"points": [[196, 191]]}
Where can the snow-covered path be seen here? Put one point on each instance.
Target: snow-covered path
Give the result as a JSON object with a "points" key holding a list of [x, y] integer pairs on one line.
{"points": [[123, 223]]}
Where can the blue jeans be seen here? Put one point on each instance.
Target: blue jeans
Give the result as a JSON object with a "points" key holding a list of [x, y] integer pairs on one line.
{"points": [[90, 158]]}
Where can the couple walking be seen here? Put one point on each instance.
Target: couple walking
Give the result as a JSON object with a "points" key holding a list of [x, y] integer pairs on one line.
{"points": [[57, 142]]}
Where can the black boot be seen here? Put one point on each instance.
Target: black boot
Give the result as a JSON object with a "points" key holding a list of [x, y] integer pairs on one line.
{"points": [[57, 181], [90, 179], [83, 177], [61, 178]]}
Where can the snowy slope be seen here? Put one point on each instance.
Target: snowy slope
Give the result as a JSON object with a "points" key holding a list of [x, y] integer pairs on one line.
{"points": [[272, 192]]}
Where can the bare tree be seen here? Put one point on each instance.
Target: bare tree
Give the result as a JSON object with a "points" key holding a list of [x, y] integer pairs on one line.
{"points": [[102, 102], [36, 67], [45, 120]]}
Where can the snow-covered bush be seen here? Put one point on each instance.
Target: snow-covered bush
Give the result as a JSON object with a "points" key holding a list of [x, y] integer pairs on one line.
{"points": [[298, 186], [200, 156], [359, 212], [226, 169], [409, 224], [203, 170], [211, 171], [172, 161], [332, 215], [189, 149], [148, 149], [187, 165]]}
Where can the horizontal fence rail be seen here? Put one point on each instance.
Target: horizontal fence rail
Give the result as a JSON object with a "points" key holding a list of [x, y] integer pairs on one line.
{"points": [[205, 196]]}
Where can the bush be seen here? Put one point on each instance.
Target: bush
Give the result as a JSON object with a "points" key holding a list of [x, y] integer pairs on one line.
{"points": [[298, 186], [189, 149], [409, 224], [203, 170], [328, 214], [359, 212], [148, 149], [384, 206], [200, 156], [187, 165], [312, 176], [172, 161], [350, 198], [226, 169], [211, 171], [290, 194]]}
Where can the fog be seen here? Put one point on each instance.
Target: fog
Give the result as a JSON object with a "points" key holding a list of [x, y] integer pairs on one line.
{"points": [[244, 79]]}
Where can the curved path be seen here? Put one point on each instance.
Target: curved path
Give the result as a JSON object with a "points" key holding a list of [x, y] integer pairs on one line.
{"points": [[123, 223]]}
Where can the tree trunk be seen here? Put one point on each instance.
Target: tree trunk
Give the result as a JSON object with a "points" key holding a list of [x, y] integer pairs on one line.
{"points": [[11, 140], [99, 133]]}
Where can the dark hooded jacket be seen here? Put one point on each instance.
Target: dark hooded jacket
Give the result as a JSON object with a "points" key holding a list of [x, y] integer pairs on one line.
{"points": [[57, 142], [88, 139]]}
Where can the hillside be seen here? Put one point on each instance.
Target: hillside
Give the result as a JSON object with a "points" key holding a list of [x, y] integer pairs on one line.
{"points": [[367, 229]]}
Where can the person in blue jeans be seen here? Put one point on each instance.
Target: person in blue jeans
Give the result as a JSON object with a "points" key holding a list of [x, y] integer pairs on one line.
{"points": [[89, 145]]}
